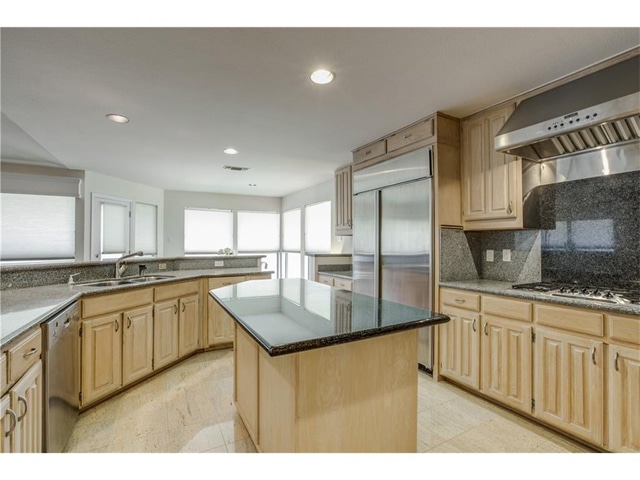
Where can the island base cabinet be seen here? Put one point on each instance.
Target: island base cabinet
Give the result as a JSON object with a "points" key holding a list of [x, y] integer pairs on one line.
{"points": [[623, 390], [353, 397]]}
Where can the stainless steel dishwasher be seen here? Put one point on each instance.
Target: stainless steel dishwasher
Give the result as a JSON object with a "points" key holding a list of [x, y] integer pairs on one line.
{"points": [[61, 378]]}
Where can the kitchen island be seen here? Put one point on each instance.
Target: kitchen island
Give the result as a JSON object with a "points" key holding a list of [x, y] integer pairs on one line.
{"points": [[319, 369]]}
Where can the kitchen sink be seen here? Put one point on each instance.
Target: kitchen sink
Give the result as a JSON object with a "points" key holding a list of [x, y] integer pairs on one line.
{"points": [[148, 278], [105, 283]]}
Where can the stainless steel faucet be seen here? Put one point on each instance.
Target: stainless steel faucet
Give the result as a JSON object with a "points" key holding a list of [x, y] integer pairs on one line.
{"points": [[120, 267]]}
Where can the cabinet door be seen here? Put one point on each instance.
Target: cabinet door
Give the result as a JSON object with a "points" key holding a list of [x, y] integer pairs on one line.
{"points": [[624, 399], [219, 323], [26, 402], [9, 421], [343, 192], [460, 346], [165, 333], [245, 356], [506, 362], [474, 166], [137, 344], [101, 356], [569, 383], [189, 326]]}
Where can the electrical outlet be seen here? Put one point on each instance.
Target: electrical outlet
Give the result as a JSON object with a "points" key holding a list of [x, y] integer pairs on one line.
{"points": [[218, 263], [489, 255], [162, 266], [506, 255]]}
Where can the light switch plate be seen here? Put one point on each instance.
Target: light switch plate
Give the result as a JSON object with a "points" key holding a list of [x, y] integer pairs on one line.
{"points": [[506, 255], [218, 263], [489, 255]]}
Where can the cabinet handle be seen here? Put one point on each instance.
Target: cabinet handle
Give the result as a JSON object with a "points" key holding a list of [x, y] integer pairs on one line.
{"points": [[13, 417], [368, 152], [408, 136], [175, 308], [485, 329], [117, 325], [23, 400], [473, 325], [615, 362], [184, 306], [33, 351], [459, 301], [593, 355], [510, 207], [128, 322]]}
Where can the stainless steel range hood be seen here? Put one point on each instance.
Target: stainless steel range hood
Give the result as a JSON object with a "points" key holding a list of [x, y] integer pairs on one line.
{"points": [[596, 111]]}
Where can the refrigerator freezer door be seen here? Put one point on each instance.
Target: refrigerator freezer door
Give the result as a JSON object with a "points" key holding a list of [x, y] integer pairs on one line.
{"points": [[365, 243]]}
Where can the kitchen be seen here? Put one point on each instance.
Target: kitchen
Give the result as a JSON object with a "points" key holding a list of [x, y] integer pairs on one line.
{"points": [[469, 244]]}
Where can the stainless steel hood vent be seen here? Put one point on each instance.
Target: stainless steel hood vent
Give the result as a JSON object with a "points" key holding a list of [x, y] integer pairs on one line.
{"points": [[592, 112]]}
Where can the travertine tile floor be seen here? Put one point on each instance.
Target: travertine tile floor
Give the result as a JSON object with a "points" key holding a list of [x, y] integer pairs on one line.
{"points": [[189, 408]]}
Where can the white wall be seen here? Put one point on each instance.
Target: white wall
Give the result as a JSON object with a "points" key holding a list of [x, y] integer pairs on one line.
{"points": [[319, 193], [116, 187], [176, 201]]}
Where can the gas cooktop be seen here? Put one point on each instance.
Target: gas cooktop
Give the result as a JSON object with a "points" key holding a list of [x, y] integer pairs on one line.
{"points": [[606, 294]]}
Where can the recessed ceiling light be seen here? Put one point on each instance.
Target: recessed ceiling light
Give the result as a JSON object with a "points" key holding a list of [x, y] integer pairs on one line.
{"points": [[116, 117], [230, 151], [253, 184], [322, 76]]}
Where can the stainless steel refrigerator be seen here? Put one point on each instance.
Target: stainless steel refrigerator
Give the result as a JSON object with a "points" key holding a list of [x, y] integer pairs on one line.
{"points": [[393, 235]]}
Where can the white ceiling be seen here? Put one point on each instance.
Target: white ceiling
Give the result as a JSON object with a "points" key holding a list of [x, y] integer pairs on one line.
{"points": [[191, 92]]}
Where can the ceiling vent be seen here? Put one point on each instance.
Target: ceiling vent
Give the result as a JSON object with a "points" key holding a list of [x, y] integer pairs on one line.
{"points": [[235, 169]]}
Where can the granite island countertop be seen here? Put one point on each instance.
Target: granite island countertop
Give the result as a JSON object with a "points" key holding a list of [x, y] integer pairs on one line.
{"points": [[22, 308], [291, 315], [504, 289]]}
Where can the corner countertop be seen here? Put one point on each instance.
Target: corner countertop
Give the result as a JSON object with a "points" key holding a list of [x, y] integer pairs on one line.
{"points": [[347, 274], [286, 316], [22, 308], [504, 289]]}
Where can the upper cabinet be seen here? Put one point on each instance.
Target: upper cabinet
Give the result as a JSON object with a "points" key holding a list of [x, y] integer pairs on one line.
{"points": [[491, 181], [343, 193]]}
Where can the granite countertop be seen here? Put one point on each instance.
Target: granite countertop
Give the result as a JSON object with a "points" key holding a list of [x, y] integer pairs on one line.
{"points": [[22, 308], [291, 315], [348, 274], [504, 289]]}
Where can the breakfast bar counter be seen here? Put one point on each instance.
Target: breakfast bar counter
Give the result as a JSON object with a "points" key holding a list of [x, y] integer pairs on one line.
{"points": [[319, 369]]}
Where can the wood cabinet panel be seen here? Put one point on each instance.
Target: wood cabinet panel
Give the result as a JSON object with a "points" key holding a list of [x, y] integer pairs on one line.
{"points": [[165, 333], [26, 401], [24, 354], [188, 325], [460, 346], [245, 355], [623, 329], [422, 130], [623, 399], [370, 151], [137, 344], [569, 383], [571, 319], [220, 325], [326, 279], [460, 299], [8, 422], [343, 201], [175, 290], [507, 308], [3, 372], [116, 302]]}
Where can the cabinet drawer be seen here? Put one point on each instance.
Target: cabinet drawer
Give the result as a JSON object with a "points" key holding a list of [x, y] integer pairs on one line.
{"points": [[23, 355], [460, 299], [327, 280], [623, 329], [342, 283], [224, 281], [3, 372], [116, 302], [174, 290], [575, 320], [370, 151], [412, 134], [507, 308]]}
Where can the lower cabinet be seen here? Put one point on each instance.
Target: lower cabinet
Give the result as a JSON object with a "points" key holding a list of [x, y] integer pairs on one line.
{"points": [[623, 389], [569, 375], [460, 346], [21, 387], [137, 344], [165, 333], [219, 323], [188, 325]]}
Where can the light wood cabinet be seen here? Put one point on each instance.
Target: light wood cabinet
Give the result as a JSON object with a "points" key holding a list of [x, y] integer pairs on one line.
{"points": [[188, 325], [623, 389], [460, 346], [3, 372], [569, 383], [101, 343], [220, 325], [245, 359], [137, 344], [344, 201], [326, 279], [506, 361], [165, 333], [370, 151], [491, 181], [21, 408]]}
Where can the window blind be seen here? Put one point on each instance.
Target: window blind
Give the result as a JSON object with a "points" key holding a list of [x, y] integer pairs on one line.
{"points": [[207, 231], [292, 231], [146, 228], [317, 221], [258, 232], [115, 228]]}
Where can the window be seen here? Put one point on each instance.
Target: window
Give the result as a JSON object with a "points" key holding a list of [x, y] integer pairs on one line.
{"points": [[317, 221], [37, 217], [259, 233], [115, 231], [37, 228], [291, 242], [207, 231]]}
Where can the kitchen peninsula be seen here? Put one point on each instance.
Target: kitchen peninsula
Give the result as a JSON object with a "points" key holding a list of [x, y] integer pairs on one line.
{"points": [[319, 369]]}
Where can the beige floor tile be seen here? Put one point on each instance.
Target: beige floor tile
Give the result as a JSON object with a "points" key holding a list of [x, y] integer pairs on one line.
{"points": [[196, 439], [241, 446], [233, 430]]}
